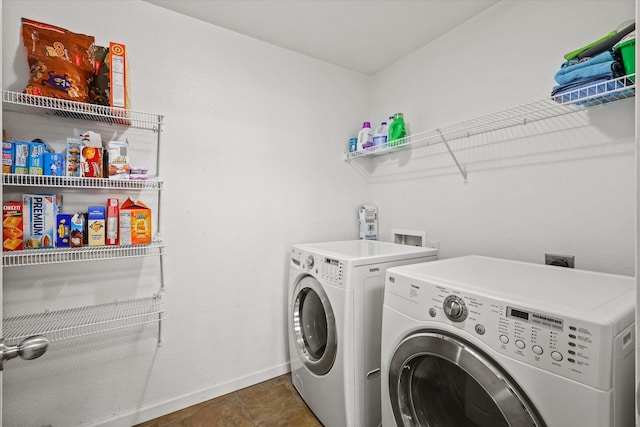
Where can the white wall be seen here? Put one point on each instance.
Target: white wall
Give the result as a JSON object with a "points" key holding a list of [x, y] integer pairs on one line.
{"points": [[561, 186], [251, 158]]}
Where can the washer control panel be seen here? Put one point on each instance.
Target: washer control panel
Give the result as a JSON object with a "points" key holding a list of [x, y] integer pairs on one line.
{"points": [[328, 269], [571, 347]]}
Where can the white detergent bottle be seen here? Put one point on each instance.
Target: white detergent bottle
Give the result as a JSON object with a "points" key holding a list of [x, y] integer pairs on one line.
{"points": [[380, 136], [365, 136]]}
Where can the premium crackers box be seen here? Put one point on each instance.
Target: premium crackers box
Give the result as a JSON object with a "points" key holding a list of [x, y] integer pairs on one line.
{"points": [[135, 223], [12, 232], [40, 213]]}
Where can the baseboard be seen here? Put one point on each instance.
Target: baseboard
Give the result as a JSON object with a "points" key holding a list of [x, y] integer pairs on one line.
{"points": [[154, 411]]}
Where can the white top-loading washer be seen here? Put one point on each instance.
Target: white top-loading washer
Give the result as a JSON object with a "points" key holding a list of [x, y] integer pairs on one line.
{"points": [[556, 342], [335, 320]]}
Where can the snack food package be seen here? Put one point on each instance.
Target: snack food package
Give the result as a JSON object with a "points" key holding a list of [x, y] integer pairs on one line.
{"points": [[53, 164], [91, 155], [60, 61], [8, 154], [21, 158], [63, 231], [12, 230], [109, 85], [113, 218], [135, 223], [36, 158], [119, 167], [40, 212], [74, 146], [96, 225], [77, 230]]}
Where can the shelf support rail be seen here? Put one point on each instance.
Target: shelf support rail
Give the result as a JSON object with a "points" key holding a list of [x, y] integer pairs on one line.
{"points": [[453, 156]]}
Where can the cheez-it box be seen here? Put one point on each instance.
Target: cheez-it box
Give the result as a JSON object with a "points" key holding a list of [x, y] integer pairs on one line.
{"points": [[135, 223], [12, 230]]}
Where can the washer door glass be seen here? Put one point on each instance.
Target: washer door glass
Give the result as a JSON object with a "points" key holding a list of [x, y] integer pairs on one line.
{"points": [[314, 326], [438, 380]]}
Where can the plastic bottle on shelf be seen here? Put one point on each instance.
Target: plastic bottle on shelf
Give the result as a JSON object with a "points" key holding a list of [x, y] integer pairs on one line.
{"points": [[397, 130], [353, 144], [365, 136], [389, 127], [380, 135]]}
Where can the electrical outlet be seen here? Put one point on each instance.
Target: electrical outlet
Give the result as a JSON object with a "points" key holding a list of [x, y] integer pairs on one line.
{"points": [[560, 260]]}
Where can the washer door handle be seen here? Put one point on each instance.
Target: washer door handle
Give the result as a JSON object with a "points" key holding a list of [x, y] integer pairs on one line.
{"points": [[373, 374]]}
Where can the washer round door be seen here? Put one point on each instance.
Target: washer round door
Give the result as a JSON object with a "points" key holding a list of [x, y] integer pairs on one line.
{"points": [[314, 326], [438, 380]]}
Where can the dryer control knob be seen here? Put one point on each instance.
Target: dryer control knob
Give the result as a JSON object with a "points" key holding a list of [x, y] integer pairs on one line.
{"points": [[310, 262], [454, 308]]}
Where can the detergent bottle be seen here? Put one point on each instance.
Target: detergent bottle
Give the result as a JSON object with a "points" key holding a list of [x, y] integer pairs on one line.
{"points": [[397, 130], [380, 135], [365, 136]]}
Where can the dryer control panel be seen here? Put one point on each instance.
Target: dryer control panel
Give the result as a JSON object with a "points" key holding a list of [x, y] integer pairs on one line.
{"points": [[574, 348]]}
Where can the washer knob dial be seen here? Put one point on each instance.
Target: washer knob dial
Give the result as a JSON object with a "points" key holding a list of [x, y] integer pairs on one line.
{"points": [[310, 262], [454, 308]]}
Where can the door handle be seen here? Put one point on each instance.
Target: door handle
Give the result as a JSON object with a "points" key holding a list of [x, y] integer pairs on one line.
{"points": [[30, 348]]}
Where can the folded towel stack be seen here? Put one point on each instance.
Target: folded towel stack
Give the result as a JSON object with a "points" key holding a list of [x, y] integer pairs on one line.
{"points": [[591, 69]]}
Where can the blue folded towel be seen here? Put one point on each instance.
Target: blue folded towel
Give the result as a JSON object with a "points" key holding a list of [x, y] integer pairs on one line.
{"points": [[572, 70]]}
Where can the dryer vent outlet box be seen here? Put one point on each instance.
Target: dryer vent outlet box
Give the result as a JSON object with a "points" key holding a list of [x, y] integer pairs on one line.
{"points": [[410, 237]]}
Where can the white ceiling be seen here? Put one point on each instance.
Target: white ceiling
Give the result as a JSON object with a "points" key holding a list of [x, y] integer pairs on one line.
{"points": [[361, 35]]}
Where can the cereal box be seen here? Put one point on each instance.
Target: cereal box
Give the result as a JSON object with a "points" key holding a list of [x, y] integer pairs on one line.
{"points": [[135, 223], [96, 225], [8, 153], [63, 231], [77, 230], [119, 166], [53, 164], [21, 158], [40, 213], [12, 226], [36, 158], [113, 217], [74, 146], [118, 75]]}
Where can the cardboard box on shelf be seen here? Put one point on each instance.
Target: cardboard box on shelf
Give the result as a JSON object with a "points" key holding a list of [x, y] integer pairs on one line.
{"points": [[135, 223], [21, 158], [40, 212], [53, 164], [74, 147], [96, 225], [119, 166], [36, 158], [113, 221], [77, 230], [63, 231], [12, 229], [8, 154]]}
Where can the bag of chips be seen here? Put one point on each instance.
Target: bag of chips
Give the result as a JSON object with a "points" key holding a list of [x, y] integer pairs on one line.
{"points": [[60, 62]]}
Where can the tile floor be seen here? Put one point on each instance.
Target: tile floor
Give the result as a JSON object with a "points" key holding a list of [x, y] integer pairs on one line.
{"points": [[268, 404]]}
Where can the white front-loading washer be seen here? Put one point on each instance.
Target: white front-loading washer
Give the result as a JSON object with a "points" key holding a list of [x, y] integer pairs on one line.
{"points": [[476, 341], [335, 320]]}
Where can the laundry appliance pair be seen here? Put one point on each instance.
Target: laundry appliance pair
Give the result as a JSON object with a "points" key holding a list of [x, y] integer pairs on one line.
{"points": [[336, 292]]}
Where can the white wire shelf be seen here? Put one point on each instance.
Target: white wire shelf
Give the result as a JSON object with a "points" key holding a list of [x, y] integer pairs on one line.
{"points": [[566, 103], [84, 321], [86, 253], [45, 106], [78, 182]]}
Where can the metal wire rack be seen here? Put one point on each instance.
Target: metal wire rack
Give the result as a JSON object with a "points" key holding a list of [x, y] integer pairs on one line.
{"points": [[86, 253], [45, 106], [84, 321], [79, 182], [561, 104]]}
